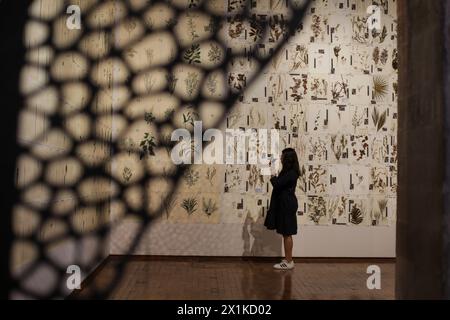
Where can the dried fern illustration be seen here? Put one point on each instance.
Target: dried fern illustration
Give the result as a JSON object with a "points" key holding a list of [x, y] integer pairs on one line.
{"points": [[356, 216], [190, 205], [192, 55]]}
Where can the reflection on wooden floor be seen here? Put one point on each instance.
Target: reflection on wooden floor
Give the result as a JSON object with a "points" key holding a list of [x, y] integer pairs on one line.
{"points": [[180, 278]]}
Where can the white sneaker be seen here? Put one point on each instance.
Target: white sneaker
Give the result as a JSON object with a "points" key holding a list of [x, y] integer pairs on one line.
{"points": [[284, 265]]}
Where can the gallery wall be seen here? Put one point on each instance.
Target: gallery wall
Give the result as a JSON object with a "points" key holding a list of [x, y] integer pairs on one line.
{"points": [[332, 94]]}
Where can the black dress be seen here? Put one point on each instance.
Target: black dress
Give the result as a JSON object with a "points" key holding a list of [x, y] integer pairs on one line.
{"points": [[282, 213]]}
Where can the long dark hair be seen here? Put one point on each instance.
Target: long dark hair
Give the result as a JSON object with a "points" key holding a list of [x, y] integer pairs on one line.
{"points": [[289, 161]]}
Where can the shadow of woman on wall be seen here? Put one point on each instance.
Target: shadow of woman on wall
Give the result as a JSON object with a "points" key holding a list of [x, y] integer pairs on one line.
{"points": [[258, 241]]}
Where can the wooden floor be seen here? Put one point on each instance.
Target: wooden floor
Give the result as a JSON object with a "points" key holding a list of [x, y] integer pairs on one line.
{"points": [[236, 279]]}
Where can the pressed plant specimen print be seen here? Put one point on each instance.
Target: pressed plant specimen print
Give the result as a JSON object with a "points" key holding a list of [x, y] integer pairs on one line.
{"points": [[192, 26], [235, 27], [318, 149], [297, 120], [360, 147], [357, 212], [360, 29], [356, 215], [149, 117], [233, 179], [357, 119], [376, 55], [317, 209], [395, 59], [192, 81], [319, 88], [380, 88], [384, 56], [171, 82], [189, 205], [189, 118], [379, 119], [193, 3], [211, 83], [127, 174], [381, 35], [256, 118], [316, 179], [300, 88], [379, 177], [256, 30], [236, 5], [339, 90], [209, 206], [191, 176], [255, 179], [168, 203], [299, 58], [378, 213], [276, 87], [148, 146], [277, 28], [211, 174], [237, 81], [319, 24], [336, 210], [192, 55], [380, 147], [303, 181], [167, 143], [339, 145], [214, 53]]}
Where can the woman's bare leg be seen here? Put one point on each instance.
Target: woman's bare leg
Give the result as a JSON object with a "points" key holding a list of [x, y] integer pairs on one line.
{"points": [[288, 245]]}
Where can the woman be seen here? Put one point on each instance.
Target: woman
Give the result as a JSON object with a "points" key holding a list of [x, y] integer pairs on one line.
{"points": [[282, 213]]}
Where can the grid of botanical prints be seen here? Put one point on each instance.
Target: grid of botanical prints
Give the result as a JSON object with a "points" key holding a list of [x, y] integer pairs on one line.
{"points": [[332, 94]]}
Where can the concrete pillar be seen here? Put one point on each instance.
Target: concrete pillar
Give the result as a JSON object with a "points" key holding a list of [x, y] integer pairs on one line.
{"points": [[421, 201]]}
